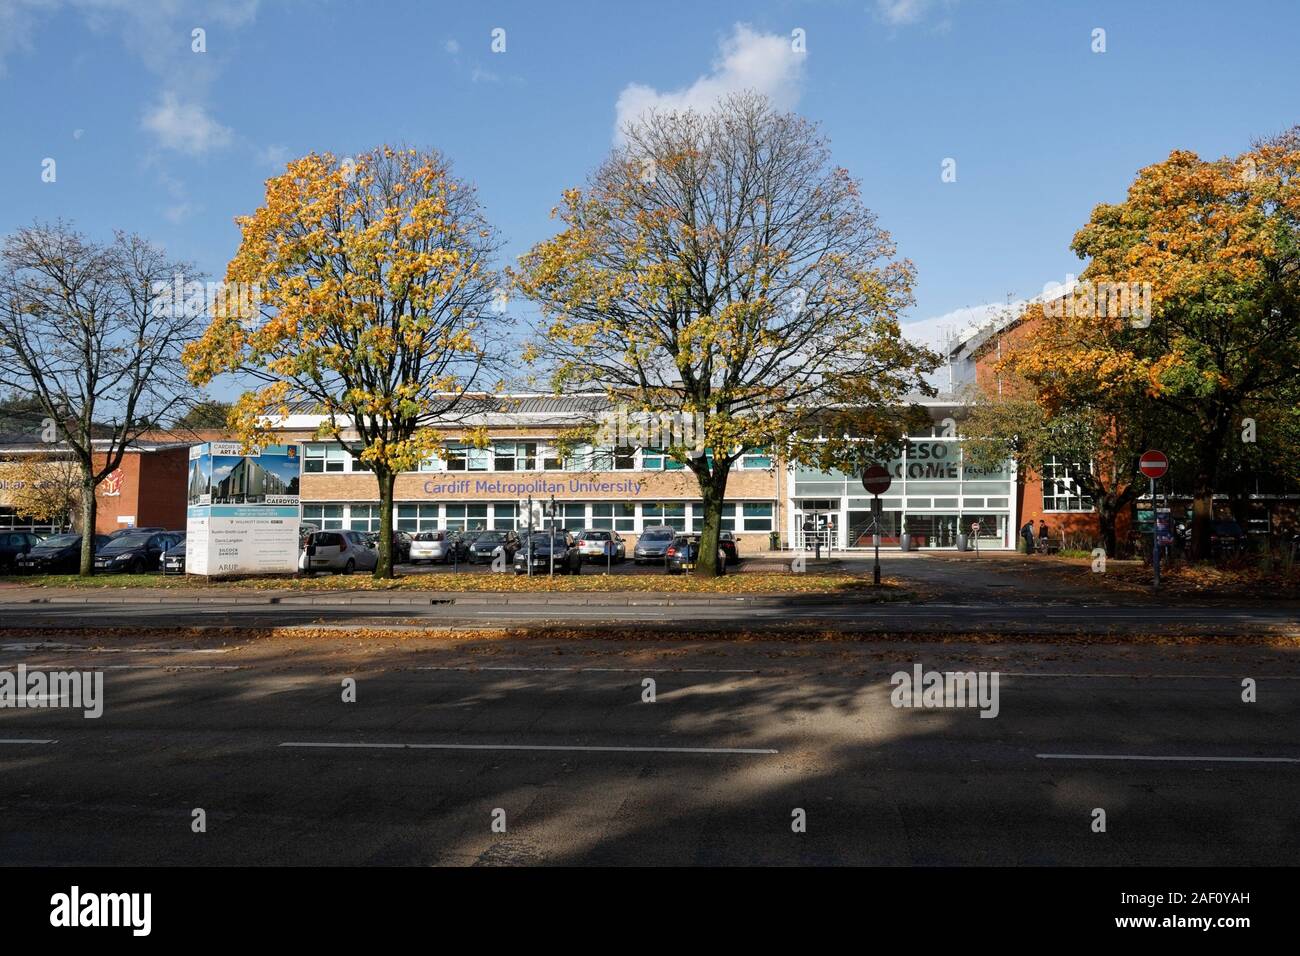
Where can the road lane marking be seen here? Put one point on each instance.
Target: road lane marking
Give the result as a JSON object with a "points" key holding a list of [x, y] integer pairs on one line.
{"points": [[1167, 758], [574, 748], [28, 741], [604, 670], [55, 646]]}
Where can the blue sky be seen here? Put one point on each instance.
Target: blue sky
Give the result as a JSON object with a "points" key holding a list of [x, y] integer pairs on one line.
{"points": [[150, 136]]}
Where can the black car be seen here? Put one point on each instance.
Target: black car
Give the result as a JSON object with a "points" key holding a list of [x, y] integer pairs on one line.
{"points": [[488, 543], [558, 550], [123, 531], [13, 545], [173, 560], [1226, 537], [653, 545], [401, 545], [727, 542], [134, 553], [684, 553], [58, 554], [464, 541]]}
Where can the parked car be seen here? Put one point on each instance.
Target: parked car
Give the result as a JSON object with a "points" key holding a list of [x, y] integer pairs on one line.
{"points": [[124, 531], [401, 544], [684, 553], [341, 552], [60, 553], [173, 560], [653, 544], [1226, 537], [134, 553], [727, 542], [487, 544], [464, 540], [595, 545], [431, 546], [13, 545], [547, 547]]}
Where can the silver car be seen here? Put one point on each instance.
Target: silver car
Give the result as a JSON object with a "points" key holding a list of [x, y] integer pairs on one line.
{"points": [[341, 552], [431, 546]]}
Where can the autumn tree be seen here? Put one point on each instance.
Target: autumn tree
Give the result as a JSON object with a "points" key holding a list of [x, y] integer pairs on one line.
{"points": [[375, 287], [1053, 406], [46, 487], [718, 268], [1214, 245], [205, 414], [83, 334]]}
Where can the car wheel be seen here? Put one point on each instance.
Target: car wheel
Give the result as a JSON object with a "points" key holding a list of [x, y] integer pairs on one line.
{"points": [[137, 566], [350, 567]]}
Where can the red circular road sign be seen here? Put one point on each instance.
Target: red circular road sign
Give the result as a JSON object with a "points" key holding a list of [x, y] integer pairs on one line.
{"points": [[876, 479], [1153, 464]]}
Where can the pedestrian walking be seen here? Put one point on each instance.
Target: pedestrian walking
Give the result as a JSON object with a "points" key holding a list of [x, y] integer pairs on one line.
{"points": [[1027, 532]]}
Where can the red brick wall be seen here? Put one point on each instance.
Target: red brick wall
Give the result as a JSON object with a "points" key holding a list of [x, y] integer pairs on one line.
{"points": [[151, 490]]}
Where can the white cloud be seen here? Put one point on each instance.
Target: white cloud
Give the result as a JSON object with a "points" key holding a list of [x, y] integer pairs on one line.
{"points": [[452, 47], [274, 156], [901, 13], [939, 330], [747, 60], [185, 127]]}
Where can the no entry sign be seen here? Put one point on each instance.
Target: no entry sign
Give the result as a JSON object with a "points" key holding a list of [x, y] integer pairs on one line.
{"points": [[876, 479], [1153, 464]]}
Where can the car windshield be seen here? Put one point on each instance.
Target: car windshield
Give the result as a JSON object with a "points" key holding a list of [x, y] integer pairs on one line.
{"points": [[595, 536], [127, 542], [61, 541], [657, 536], [429, 536], [490, 537]]}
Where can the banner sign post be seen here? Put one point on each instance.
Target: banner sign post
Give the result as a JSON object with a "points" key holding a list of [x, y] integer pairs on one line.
{"points": [[243, 510]]}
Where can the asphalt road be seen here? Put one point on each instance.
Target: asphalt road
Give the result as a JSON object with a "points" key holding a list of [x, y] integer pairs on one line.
{"points": [[558, 737], [609, 612]]}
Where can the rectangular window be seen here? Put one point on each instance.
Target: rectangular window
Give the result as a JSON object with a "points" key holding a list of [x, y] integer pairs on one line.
{"points": [[324, 517], [1060, 493], [466, 517], [478, 459], [614, 516], [504, 456], [551, 459], [417, 517], [364, 517], [697, 517], [672, 514], [525, 456], [503, 515], [320, 458], [758, 516], [455, 457], [652, 459], [756, 458], [355, 458]]}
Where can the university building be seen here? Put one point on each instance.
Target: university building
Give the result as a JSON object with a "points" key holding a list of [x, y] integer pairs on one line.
{"points": [[934, 495]]}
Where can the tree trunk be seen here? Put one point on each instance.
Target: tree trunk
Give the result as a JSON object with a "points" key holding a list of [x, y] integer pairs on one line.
{"points": [[387, 479], [713, 490], [88, 515], [1107, 513], [1207, 460]]}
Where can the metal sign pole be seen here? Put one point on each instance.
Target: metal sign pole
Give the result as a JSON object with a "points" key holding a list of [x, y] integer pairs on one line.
{"points": [[877, 507], [1155, 535]]}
